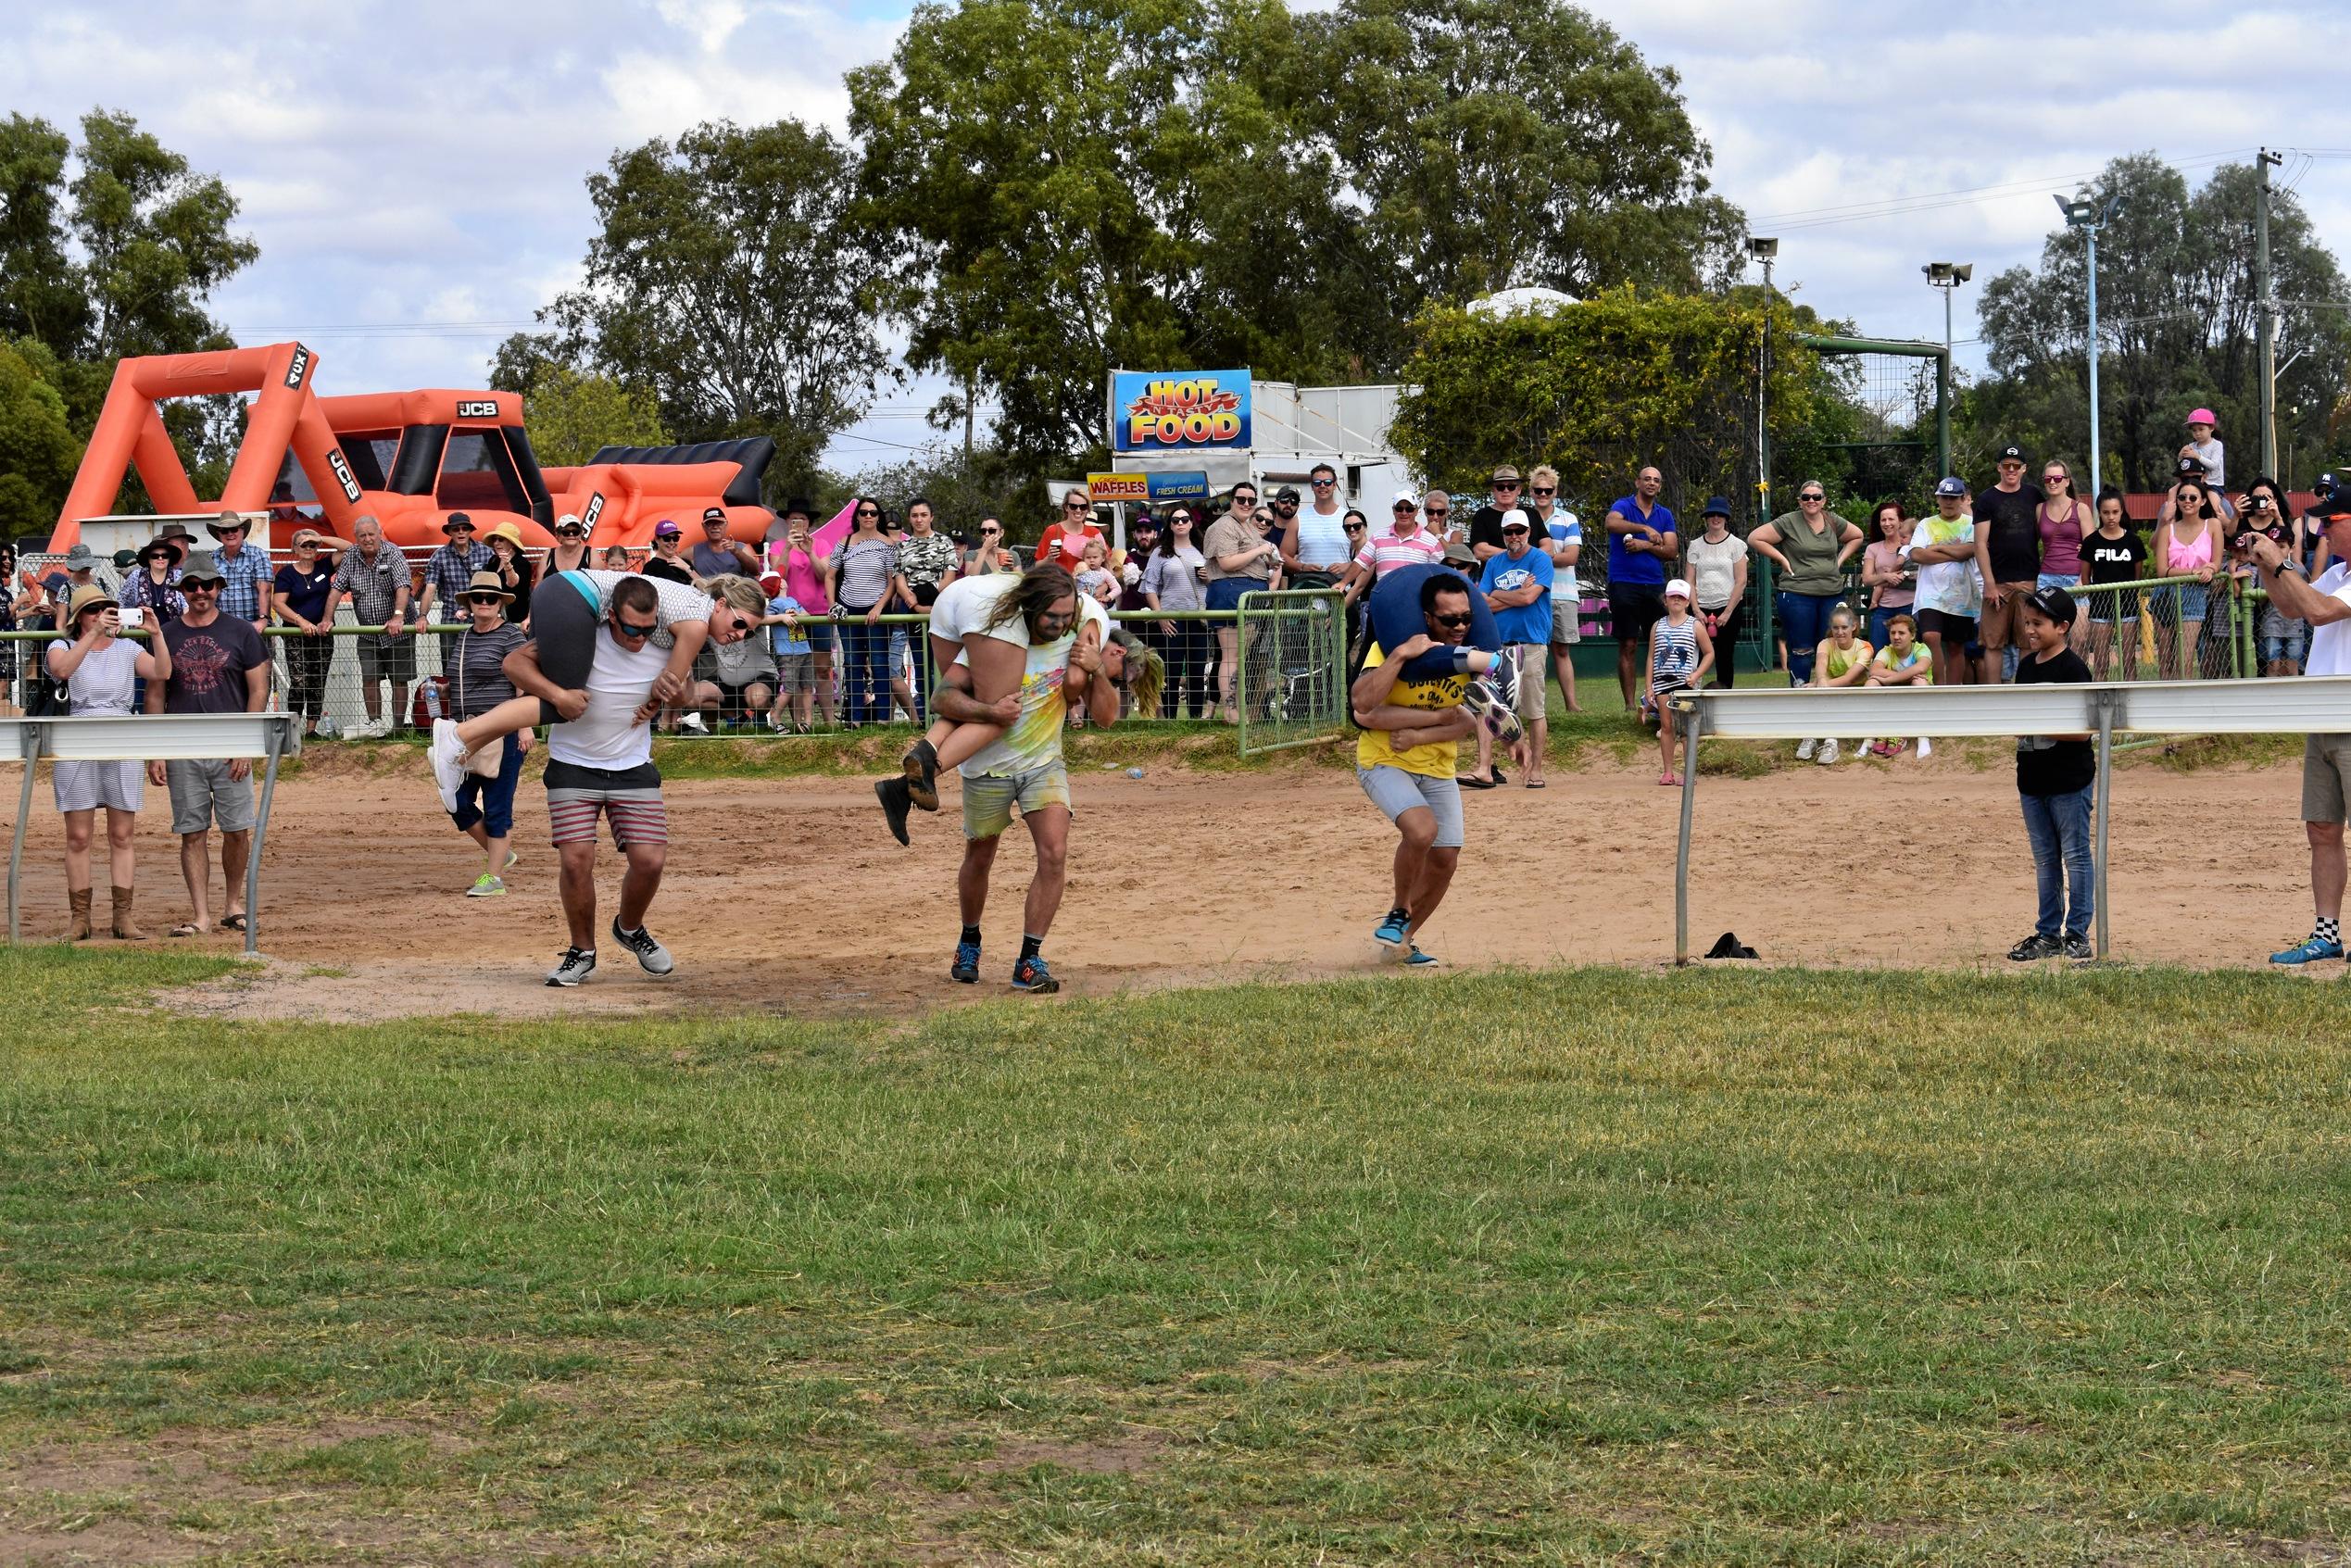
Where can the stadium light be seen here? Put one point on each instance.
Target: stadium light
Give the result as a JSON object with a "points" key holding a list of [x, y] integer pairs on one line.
{"points": [[1764, 249], [1947, 276], [2089, 215]]}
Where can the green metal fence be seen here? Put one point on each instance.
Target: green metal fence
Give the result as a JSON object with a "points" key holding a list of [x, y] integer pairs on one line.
{"points": [[1292, 665]]}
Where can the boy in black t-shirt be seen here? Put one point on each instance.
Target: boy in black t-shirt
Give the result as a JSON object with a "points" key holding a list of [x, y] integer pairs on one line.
{"points": [[2053, 777]]}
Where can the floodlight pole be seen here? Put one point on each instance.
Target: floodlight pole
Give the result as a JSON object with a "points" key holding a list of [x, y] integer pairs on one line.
{"points": [[1946, 277], [2090, 216]]}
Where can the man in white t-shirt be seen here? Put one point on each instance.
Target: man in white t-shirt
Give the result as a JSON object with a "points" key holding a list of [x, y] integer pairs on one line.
{"points": [[1559, 533], [2326, 758], [1316, 545], [600, 763]]}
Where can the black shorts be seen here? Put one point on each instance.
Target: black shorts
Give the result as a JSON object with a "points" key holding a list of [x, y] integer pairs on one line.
{"points": [[1633, 608], [1953, 628]]}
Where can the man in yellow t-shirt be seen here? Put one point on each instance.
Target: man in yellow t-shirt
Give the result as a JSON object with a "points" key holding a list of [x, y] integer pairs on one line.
{"points": [[1406, 765]]}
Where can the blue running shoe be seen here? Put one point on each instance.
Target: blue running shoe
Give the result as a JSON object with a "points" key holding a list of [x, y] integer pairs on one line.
{"points": [[1390, 931], [2310, 951], [1418, 959], [1031, 975], [966, 963]]}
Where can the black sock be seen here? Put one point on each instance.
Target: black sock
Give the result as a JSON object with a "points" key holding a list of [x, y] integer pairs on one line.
{"points": [[1029, 945], [971, 934]]}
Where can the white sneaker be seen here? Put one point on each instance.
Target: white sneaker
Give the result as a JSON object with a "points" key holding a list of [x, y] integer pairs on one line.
{"points": [[1803, 754], [1828, 753], [1926, 747], [448, 756], [693, 721]]}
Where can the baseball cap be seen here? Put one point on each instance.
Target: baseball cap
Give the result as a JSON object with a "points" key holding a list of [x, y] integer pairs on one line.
{"points": [[1506, 475], [200, 569], [2332, 492], [1680, 585], [2201, 417], [2054, 603], [665, 529], [1406, 497], [569, 523], [1287, 493], [1716, 507], [2190, 468], [1515, 519], [1952, 485], [2011, 453], [714, 514]]}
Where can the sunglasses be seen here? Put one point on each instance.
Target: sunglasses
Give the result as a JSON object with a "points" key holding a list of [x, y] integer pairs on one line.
{"points": [[1285, 505], [1439, 512], [570, 534], [1073, 506], [485, 598], [1244, 500], [1812, 495], [1322, 483], [459, 528], [195, 585], [1402, 507], [1460, 620], [1543, 490], [635, 633], [868, 511], [990, 533], [1505, 485], [1352, 527]]}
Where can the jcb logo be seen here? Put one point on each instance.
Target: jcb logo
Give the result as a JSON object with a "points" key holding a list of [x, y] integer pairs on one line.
{"points": [[485, 409], [344, 476], [297, 368], [594, 510]]}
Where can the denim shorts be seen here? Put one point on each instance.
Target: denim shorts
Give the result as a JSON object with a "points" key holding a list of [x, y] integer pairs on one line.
{"points": [[2180, 601], [1395, 792]]}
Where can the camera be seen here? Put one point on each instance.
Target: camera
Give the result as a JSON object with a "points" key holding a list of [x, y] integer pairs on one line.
{"points": [[2261, 517]]}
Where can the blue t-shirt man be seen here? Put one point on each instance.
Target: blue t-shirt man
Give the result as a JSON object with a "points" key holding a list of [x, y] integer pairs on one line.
{"points": [[1522, 623], [1638, 566]]}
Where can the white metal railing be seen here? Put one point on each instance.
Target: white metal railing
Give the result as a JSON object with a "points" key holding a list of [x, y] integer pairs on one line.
{"points": [[2302, 705], [148, 737]]}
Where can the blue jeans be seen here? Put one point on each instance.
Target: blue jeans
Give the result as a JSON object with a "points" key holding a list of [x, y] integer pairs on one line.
{"points": [[2059, 828], [1879, 619], [865, 662], [1804, 620], [491, 801]]}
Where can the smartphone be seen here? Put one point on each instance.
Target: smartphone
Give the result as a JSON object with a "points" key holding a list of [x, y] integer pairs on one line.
{"points": [[133, 617]]}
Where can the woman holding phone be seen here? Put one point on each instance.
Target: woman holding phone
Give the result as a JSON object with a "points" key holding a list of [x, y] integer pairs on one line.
{"points": [[100, 670]]}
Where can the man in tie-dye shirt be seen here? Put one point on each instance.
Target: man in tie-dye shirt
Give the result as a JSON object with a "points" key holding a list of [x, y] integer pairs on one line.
{"points": [[1069, 662]]}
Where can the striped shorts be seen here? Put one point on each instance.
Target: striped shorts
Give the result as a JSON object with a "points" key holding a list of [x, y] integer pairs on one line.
{"points": [[630, 796]]}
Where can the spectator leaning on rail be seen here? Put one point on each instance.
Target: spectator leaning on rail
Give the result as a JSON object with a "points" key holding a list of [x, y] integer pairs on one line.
{"points": [[1559, 533], [2326, 758], [244, 571], [100, 669], [299, 595], [373, 575], [1518, 584], [449, 570], [219, 665]]}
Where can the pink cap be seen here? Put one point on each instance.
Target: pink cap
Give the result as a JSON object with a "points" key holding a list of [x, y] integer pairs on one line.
{"points": [[1678, 587], [2202, 417]]}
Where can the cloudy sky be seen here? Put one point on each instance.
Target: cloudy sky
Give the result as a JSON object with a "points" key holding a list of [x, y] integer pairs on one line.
{"points": [[412, 172]]}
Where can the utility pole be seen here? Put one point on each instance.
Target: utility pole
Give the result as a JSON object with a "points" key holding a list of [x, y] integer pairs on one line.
{"points": [[2266, 288], [967, 423], [2090, 216], [1946, 277]]}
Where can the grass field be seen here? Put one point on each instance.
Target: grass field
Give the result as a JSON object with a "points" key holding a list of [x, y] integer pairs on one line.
{"points": [[1584, 1266]]}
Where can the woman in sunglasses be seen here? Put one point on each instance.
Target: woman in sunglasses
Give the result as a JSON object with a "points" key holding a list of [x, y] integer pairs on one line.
{"points": [[1240, 559], [478, 683], [571, 551], [1809, 546], [863, 578], [989, 556], [1170, 581]]}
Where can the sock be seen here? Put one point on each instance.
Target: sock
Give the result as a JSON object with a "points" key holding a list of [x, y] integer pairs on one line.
{"points": [[971, 934], [2329, 929], [628, 930], [1029, 945]]}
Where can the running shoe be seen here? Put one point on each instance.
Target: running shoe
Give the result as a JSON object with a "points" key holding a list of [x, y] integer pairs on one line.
{"points": [[1803, 749], [1827, 755], [2310, 951], [1032, 975], [2078, 947], [1418, 959], [651, 956], [1489, 704], [486, 886], [920, 765], [2036, 946], [892, 794], [448, 756], [966, 968], [1390, 931], [577, 965]]}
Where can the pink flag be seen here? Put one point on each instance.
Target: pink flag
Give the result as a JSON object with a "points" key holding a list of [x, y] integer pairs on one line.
{"points": [[824, 540]]}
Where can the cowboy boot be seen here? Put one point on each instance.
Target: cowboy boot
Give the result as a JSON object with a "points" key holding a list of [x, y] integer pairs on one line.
{"points": [[124, 927], [80, 900]]}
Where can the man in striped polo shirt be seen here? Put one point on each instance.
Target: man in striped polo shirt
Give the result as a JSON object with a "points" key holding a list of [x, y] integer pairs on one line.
{"points": [[1405, 543]]}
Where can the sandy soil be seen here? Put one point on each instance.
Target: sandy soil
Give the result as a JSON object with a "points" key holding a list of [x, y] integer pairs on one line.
{"points": [[788, 895]]}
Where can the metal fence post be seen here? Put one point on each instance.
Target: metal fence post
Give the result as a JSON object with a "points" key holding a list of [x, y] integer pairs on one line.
{"points": [[36, 741], [1697, 718], [2105, 797]]}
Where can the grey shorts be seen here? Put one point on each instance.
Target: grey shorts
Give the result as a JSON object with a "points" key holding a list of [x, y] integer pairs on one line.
{"points": [[203, 796], [1566, 617], [794, 674], [2326, 762], [1396, 792], [386, 659]]}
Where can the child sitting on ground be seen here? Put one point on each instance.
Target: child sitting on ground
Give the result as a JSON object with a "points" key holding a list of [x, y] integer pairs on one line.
{"points": [[1904, 662], [1841, 659]]}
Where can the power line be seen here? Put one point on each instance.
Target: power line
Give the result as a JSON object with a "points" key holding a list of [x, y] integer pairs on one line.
{"points": [[1930, 201]]}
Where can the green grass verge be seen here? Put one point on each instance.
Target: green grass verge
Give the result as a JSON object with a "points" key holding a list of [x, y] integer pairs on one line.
{"points": [[1579, 1266]]}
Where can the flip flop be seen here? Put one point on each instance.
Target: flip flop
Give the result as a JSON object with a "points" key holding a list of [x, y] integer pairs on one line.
{"points": [[1468, 782], [1534, 784], [232, 922], [189, 928], [1668, 779]]}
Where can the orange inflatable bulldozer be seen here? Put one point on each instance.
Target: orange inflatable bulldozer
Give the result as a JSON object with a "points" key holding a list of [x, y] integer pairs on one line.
{"points": [[406, 458]]}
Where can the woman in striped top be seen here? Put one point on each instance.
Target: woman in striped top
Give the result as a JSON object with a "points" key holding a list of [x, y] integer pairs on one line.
{"points": [[1680, 655]]}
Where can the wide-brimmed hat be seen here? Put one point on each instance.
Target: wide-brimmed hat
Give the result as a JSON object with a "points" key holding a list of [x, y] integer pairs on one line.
{"points": [[455, 520], [175, 530], [160, 547], [799, 506], [487, 582], [82, 557], [1716, 506], [84, 599], [201, 568], [506, 531], [226, 520]]}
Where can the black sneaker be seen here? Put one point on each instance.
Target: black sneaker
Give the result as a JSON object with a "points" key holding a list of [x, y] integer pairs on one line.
{"points": [[967, 956], [893, 795], [920, 768], [577, 964], [653, 957], [2036, 946], [1032, 975], [2079, 949]]}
